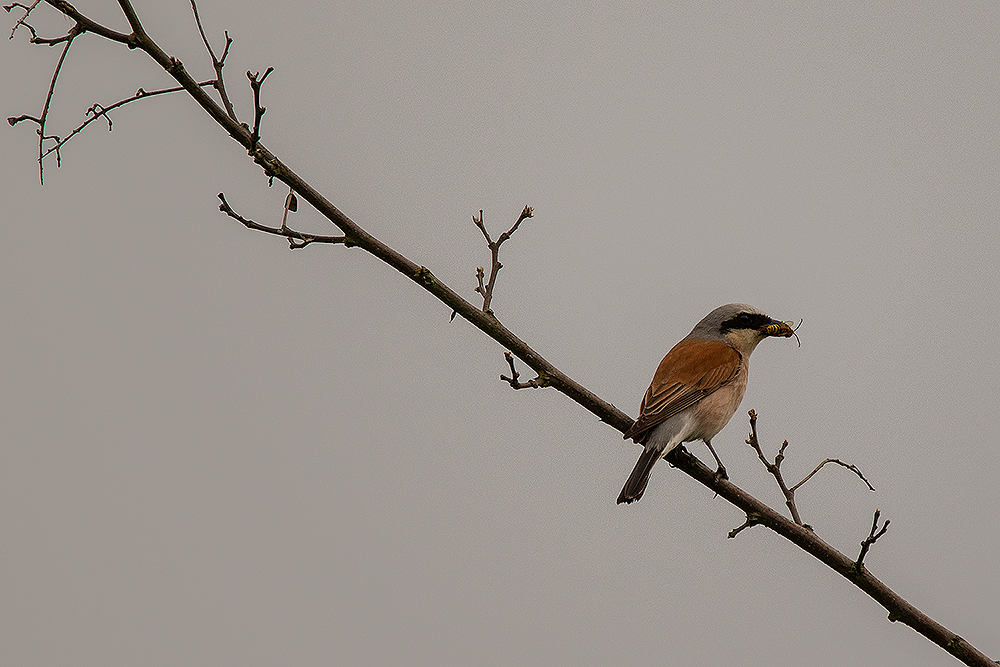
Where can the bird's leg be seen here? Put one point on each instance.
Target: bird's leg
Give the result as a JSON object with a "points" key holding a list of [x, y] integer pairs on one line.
{"points": [[721, 472]]}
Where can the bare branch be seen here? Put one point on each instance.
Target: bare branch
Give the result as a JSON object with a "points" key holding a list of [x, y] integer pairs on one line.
{"points": [[14, 120], [48, 101], [752, 520], [774, 469], [291, 205], [98, 110], [21, 21], [871, 539], [486, 290], [849, 466], [84, 24], [35, 39], [217, 63], [296, 239], [132, 18], [526, 212], [899, 609], [258, 110]]}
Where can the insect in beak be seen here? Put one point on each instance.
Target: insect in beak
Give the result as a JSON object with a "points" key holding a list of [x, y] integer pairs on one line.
{"points": [[784, 330]]}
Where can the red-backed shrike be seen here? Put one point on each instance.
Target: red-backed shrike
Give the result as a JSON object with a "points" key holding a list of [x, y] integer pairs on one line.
{"points": [[697, 387]]}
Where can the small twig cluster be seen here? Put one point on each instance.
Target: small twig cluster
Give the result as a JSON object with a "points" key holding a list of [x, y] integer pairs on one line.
{"points": [[41, 119], [774, 468], [35, 39], [217, 63], [52, 143], [873, 535], [486, 289], [258, 110]]}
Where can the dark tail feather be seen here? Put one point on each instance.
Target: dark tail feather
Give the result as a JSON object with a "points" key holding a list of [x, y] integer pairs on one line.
{"points": [[636, 483]]}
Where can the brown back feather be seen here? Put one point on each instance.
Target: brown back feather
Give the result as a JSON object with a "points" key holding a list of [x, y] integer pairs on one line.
{"points": [[690, 371]]}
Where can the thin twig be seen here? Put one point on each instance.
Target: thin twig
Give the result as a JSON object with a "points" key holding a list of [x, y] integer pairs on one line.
{"points": [[73, 32], [98, 110], [84, 24], [486, 290], [291, 205], [849, 466], [752, 520], [296, 239], [217, 63], [774, 468], [258, 110], [21, 21], [871, 539], [35, 39]]}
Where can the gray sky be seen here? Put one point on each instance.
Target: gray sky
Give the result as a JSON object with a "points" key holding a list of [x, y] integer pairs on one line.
{"points": [[219, 452]]}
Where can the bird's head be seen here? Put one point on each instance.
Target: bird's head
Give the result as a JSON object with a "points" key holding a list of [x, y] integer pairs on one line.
{"points": [[741, 326]]}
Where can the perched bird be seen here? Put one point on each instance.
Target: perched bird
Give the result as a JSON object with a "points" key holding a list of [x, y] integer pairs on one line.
{"points": [[697, 387]]}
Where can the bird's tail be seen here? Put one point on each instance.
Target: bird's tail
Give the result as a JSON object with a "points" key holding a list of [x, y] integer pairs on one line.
{"points": [[636, 482]]}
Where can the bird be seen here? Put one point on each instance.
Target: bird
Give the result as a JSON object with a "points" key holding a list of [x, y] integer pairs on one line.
{"points": [[697, 387]]}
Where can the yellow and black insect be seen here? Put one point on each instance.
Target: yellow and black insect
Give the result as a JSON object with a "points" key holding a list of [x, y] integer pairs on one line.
{"points": [[783, 329]]}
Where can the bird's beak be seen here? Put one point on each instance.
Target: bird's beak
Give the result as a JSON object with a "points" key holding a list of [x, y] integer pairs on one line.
{"points": [[776, 328]]}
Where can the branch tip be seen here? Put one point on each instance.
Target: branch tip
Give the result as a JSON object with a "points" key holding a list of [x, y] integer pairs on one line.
{"points": [[217, 63]]}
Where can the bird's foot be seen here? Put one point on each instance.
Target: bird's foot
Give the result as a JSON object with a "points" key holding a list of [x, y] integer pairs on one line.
{"points": [[721, 473]]}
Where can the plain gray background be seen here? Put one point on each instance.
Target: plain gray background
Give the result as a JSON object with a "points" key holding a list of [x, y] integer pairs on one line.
{"points": [[219, 452]]}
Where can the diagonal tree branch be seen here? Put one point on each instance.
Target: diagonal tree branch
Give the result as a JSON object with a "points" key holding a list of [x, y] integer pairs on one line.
{"points": [[899, 609]]}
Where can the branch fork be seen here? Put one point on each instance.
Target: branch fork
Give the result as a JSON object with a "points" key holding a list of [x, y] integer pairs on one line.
{"points": [[873, 535], [258, 110], [774, 468], [485, 289], [540, 381]]}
